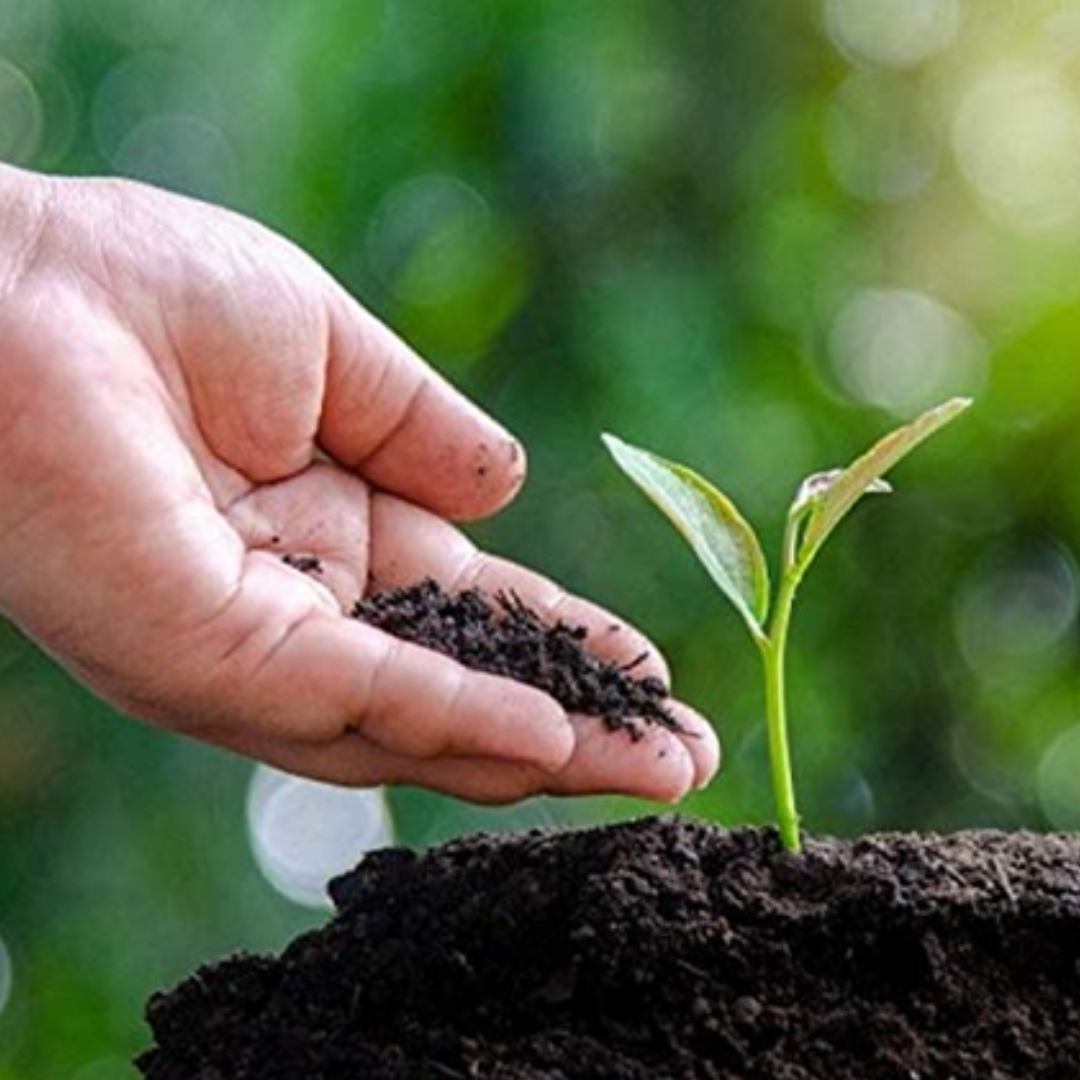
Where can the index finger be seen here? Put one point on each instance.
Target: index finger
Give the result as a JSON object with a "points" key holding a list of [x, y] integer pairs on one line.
{"points": [[409, 544], [392, 419]]}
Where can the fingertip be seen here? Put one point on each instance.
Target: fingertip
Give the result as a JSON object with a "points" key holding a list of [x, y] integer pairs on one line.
{"points": [[701, 743], [491, 481], [657, 766], [673, 775]]}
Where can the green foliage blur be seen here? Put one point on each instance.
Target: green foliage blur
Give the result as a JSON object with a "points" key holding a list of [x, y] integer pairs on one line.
{"points": [[750, 235]]}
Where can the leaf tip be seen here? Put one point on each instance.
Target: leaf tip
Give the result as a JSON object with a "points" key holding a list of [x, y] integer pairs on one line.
{"points": [[955, 406], [622, 452]]}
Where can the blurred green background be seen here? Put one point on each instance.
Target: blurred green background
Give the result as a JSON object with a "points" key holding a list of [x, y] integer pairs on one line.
{"points": [[750, 235]]}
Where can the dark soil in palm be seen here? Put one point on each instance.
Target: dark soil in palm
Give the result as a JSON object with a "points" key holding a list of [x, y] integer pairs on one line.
{"points": [[662, 950], [502, 636]]}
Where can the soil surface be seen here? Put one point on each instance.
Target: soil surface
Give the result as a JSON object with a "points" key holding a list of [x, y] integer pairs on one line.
{"points": [[502, 636], [662, 950]]}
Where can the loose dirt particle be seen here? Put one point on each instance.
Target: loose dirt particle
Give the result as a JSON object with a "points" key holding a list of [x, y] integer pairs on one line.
{"points": [[306, 564]]}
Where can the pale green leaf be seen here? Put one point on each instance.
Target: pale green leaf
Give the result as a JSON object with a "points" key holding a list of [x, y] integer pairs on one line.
{"points": [[834, 503], [813, 490], [719, 535]]}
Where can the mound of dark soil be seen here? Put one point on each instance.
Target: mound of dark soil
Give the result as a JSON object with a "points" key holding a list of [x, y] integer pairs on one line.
{"points": [[502, 636], [662, 950]]}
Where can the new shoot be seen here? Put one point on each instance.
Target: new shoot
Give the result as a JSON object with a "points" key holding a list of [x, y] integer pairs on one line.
{"points": [[731, 553]]}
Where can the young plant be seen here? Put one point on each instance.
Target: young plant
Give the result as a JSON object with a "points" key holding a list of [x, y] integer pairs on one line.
{"points": [[731, 552]]}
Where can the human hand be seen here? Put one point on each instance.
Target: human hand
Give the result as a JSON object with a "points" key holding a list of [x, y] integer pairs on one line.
{"points": [[185, 396]]}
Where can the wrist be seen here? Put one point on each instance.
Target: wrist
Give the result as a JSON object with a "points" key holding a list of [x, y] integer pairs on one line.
{"points": [[24, 199]]}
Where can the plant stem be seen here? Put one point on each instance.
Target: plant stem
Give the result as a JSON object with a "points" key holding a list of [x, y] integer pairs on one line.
{"points": [[774, 653]]}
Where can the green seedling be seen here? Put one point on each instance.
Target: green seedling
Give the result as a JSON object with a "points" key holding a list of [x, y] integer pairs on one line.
{"points": [[732, 554]]}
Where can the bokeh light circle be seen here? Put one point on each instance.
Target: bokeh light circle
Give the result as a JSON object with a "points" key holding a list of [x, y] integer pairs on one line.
{"points": [[1058, 781], [1016, 610], [149, 22], [903, 350], [892, 33], [850, 800], [456, 265], [1016, 136], [22, 119], [433, 220], [639, 120], [985, 770], [28, 27], [158, 117], [60, 117], [186, 154], [304, 833], [878, 148]]}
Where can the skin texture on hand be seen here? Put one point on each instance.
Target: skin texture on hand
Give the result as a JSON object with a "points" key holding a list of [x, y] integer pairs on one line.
{"points": [[185, 396]]}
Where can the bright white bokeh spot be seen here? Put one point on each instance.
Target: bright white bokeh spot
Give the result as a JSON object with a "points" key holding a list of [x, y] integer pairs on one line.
{"points": [[903, 350], [5, 976], [1017, 138], [1058, 781], [21, 115], [305, 833], [877, 147], [892, 33], [1016, 612]]}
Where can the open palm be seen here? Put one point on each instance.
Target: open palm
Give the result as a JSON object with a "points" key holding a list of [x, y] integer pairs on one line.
{"points": [[186, 397]]}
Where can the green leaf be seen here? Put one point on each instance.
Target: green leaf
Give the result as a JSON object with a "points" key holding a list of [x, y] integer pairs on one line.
{"points": [[814, 488], [719, 535], [832, 505]]}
